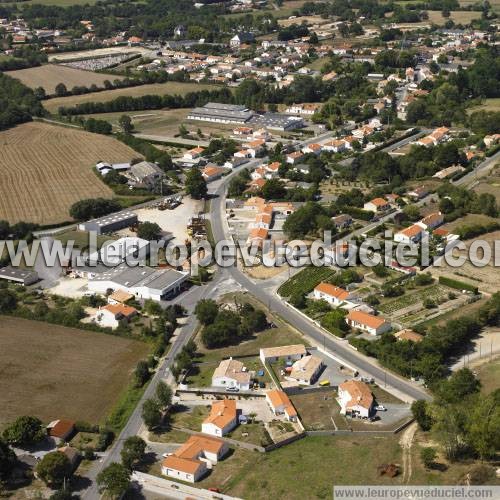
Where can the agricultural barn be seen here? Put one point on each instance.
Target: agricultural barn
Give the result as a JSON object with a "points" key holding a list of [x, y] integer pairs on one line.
{"points": [[221, 113], [142, 282], [110, 223], [17, 275]]}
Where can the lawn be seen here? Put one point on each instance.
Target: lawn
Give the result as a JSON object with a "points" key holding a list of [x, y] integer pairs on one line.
{"points": [[51, 371], [317, 410], [327, 460], [491, 104], [180, 88], [254, 433], [81, 239], [305, 280], [188, 417]]}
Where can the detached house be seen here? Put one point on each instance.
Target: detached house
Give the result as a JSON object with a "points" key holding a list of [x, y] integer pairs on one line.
{"points": [[411, 234], [431, 221], [61, 430], [231, 373], [355, 399], [374, 325], [334, 295], [306, 370], [222, 418], [280, 404], [112, 314], [376, 205], [287, 353]]}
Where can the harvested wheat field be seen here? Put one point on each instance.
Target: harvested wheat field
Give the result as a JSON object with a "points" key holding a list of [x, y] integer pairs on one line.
{"points": [[46, 168], [51, 371], [50, 75]]}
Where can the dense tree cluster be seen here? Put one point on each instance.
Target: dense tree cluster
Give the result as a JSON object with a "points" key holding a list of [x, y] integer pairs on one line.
{"points": [[93, 208], [224, 327]]}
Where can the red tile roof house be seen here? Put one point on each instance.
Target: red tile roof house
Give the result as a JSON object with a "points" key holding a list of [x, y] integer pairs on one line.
{"points": [[411, 234], [374, 325], [355, 398], [431, 221], [334, 295], [280, 404], [376, 205], [222, 419], [192, 460], [61, 430], [112, 314]]}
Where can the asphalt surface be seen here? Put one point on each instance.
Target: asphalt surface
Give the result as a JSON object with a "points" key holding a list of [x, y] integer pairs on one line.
{"points": [[479, 170]]}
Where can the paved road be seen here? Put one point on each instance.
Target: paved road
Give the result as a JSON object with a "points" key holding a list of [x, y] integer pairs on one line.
{"points": [[307, 327], [481, 169]]}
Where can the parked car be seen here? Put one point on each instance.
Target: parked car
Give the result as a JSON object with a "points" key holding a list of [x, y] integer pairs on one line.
{"points": [[380, 408], [232, 389]]}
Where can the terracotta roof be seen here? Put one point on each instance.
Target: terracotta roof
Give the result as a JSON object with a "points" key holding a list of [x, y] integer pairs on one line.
{"points": [[378, 202], [258, 233], [407, 334], [441, 232], [182, 464], [412, 231], [197, 150], [197, 444], [222, 413], [360, 393], [432, 218], [274, 166], [365, 319], [279, 398], [60, 428], [332, 290], [211, 171], [122, 309]]}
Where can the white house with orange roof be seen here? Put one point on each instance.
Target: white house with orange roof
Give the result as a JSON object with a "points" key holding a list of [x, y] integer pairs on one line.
{"points": [[294, 157], [313, 148], [231, 373], [258, 173], [272, 170], [194, 458], [335, 146], [211, 173], [222, 418], [411, 234], [280, 404], [112, 314], [355, 399], [255, 147], [376, 205], [374, 325], [194, 153], [334, 295], [431, 221]]}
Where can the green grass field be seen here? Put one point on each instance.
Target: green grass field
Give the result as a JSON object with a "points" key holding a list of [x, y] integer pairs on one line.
{"points": [[489, 375], [305, 280], [492, 104]]}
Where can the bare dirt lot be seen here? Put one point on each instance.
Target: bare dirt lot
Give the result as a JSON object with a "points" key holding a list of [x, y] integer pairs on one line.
{"points": [[58, 162], [50, 75], [53, 372], [485, 278], [179, 88]]}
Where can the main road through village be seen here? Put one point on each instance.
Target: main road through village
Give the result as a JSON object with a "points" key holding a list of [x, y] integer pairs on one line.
{"points": [[334, 346]]}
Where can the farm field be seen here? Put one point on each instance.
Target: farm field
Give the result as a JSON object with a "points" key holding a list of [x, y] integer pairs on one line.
{"points": [[154, 122], [58, 162], [51, 371], [492, 104], [457, 16], [180, 88], [305, 280], [412, 297], [49, 76]]}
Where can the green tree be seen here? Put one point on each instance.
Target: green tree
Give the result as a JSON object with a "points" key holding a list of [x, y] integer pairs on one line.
{"points": [[114, 480], [54, 468], [273, 189], [8, 301], [484, 425], [420, 413], [164, 394], [428, 455], [125, 123], [24, 430], [133, 451], [461, 384], [7, 460], [61, 90], [141, 373], [206, 311], [151, 413], [196, 185], [149, 231]]}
